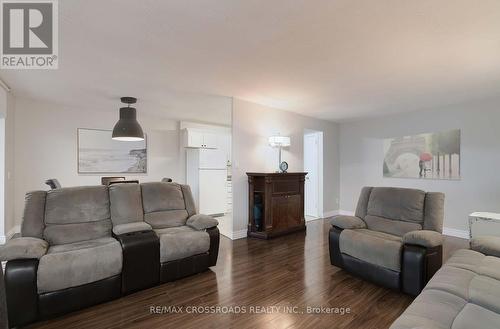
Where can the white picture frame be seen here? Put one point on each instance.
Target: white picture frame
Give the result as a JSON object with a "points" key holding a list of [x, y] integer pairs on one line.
{"points": [[98, 153]]}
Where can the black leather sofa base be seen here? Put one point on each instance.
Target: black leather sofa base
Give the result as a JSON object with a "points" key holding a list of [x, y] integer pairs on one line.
{"points": [[59, 302], [176, 269], [371, 272], [214, 245], [141, 269], [418, 265], [21, 291]]}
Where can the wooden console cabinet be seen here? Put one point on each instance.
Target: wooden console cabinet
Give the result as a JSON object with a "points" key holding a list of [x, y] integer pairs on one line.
{"points": [[276, 204]]}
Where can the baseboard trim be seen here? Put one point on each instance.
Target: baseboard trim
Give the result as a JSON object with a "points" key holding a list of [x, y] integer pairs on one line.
{"points": [[331, 213], [464, 234], [346, 212], [310, 218], [239, 234]]}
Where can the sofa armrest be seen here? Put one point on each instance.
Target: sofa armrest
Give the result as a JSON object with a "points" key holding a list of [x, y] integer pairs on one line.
{"points": [[131, 227], [23, 248], [424, 238], [201, 222], [486, 244], [347, 222]]}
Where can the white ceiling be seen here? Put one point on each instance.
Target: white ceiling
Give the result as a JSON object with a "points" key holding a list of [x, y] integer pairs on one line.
{"points": [[330, 59]]}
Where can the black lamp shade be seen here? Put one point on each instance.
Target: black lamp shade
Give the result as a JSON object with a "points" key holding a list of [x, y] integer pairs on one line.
{"points": [[127, 128]]}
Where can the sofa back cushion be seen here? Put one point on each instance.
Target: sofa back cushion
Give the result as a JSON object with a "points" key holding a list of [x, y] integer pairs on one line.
{"points": [[125, 203], [188, 200], [76, 214], [364, 197], [34, 209], [434, 211], [164, 204], [401, 204], [390, 226]]}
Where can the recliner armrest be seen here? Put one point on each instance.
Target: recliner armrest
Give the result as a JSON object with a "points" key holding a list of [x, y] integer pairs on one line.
{"points": [[423, 238], [131, 227], [23, 248], [347, 222], [486, 244], [201, 222]]}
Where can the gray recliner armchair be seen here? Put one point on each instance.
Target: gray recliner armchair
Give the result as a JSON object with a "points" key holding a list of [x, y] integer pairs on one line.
{"points": [[394, 239]]}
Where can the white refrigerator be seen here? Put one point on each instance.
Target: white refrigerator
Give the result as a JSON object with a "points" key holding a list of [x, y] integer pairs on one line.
{"points": [[206, 173]]}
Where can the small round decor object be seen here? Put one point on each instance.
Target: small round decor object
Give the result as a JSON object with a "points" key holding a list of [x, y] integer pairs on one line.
{"points": [[284, 166], [128, 100]]}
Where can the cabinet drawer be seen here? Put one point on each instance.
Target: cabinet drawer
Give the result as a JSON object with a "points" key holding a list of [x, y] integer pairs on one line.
{"points": [[286, 187]]}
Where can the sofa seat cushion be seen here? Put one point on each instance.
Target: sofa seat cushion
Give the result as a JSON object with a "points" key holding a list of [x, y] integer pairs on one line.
{"points": [[374, 247], [74, 264], [474, 316], [431, 309], [464, 293], [466, 259], [181, 242]]}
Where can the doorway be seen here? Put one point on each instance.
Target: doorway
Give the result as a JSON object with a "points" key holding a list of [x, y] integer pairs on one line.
{"points": [[313, 165]]}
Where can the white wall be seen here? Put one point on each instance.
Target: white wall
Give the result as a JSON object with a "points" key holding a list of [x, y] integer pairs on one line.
{"points": [[3, 114], [252, 125], [361, 158], [46, 147], [9, 166]]}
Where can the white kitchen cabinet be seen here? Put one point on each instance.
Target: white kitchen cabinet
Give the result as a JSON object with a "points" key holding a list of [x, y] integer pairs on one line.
{"points": [[195, 138], [209, 140]]}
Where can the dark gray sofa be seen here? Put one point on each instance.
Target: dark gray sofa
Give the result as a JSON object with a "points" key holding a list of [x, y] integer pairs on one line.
{"points": [[394, 239], [85, 245], [463, 294]]}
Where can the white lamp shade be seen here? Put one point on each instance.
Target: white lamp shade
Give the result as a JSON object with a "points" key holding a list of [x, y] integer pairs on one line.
{"points": [[276, 141]]}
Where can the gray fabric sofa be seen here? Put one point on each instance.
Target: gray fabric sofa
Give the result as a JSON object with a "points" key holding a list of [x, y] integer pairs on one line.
{"points": [[463, 294], [394, 239], [84, 245]]}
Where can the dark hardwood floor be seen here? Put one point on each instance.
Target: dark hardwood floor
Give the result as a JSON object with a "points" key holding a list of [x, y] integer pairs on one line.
{"points": [[291, 271]]}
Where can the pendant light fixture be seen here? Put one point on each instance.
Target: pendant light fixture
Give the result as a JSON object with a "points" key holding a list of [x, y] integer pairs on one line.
{"points": [[127, 128]]}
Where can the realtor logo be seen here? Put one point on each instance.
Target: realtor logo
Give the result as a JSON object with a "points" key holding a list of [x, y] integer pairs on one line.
{"points": [[29, 34]]}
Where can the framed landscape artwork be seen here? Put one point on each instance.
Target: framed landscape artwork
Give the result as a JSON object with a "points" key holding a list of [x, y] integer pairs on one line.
{"points": [[424, 156], [99, 154]]}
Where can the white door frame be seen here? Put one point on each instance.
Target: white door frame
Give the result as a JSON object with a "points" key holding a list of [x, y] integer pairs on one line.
{"points": [[319, 145]]}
